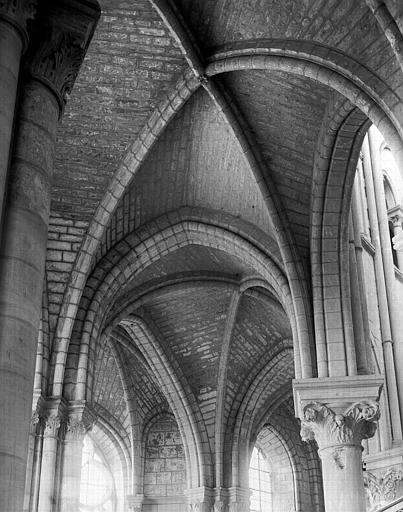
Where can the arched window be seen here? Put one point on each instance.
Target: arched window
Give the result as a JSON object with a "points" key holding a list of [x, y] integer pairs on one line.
{"points": [[97, 490], [260, 483]]}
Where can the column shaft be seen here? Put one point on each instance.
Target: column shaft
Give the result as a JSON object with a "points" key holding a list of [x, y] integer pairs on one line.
{"points": [[47, 498], [22, 265], [71, 475], [389, 274], [384, 316], [11, 48], [343, 482], [358, 324]]}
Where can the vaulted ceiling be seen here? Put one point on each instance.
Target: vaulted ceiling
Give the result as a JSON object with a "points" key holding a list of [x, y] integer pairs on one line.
{"points": [[200, 165]]}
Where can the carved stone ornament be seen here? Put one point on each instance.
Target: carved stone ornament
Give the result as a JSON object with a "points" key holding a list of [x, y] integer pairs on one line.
{"points": [[62, 36], [194, 506], [75, 429], [17, 13], [57, 63], [218, 506], [34, 422], [381, 491], [52, 425], [328, 428]]}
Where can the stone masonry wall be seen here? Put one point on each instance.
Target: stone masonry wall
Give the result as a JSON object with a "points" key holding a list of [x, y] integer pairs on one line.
{"points": [[165, 470], [64, 241]]}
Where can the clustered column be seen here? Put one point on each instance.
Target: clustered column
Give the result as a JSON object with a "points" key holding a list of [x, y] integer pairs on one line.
{"points": [[54, 467], [61, 34]]}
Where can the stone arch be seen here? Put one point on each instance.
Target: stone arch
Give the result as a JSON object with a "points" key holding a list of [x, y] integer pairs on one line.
{"points": [[128, 167], [374, 101], [180, 398], [141, 250], [325, 65], [343, 134], [331, 67], [283, 468], [283, 430], [254, 396]]}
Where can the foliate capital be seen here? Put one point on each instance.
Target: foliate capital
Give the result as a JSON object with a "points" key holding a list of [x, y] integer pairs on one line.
{"points": [[328, 428], [61, 35], [51, 425], [17, 13], [75, 430], [34, 422], [218, 506]]}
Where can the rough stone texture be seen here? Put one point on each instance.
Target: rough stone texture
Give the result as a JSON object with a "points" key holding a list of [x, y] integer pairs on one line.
{"points": [[189, 285], [64, 240], [285, 113], [197, 163], [132, 60], [164, 464]]}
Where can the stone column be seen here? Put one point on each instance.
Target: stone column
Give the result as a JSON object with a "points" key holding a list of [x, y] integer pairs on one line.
{"points": [[33, 433], [47, 497], [54, 61], [79, 422], [338, 414], [14, 15], [71, 466], [384, 313], [389, 274]]}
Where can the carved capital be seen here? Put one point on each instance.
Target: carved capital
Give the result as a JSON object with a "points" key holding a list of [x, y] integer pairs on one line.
{"points": [[218, 506], [381, 491], [63, 31], [321, 423], [17, 13], [75, 429], [34, 423], [51, 426], [194, 506]]}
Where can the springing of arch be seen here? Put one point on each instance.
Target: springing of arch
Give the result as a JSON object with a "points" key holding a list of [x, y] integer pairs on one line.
{"points": [[141, 251], [179, 396], [322, 68], [343, 131]]}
